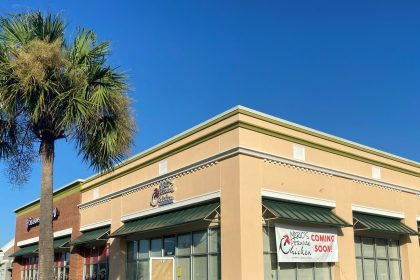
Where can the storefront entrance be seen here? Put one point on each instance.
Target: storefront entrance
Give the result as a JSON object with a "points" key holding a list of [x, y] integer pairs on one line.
{"points": [[162, 268]]}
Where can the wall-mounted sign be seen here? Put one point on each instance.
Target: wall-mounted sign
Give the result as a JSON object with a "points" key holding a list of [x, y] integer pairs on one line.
{"points": [[31, 222], [306, 244], [164, 194]]}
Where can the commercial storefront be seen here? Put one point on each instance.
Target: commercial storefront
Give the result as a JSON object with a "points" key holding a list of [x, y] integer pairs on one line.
{"points": [[249, 196], [66, 223]]}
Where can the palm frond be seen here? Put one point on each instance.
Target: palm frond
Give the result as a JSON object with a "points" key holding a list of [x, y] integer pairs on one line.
{"points": [[49, 28], [86, 51], [15, 29], [105, 139], [63, 89]]}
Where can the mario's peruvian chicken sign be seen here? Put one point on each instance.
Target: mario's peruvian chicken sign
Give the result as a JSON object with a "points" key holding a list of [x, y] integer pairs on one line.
{"points": [[306, 244]]}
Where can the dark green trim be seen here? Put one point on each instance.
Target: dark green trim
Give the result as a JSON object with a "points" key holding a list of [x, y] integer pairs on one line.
{"points": [[259, 129], [324, 148], [302, 213], [170, 142], [59, 243], [92, 236], [166, 220], [57, 195], [63, 242], [383, 224], [184, 147], [31, 249], [328, 137]]}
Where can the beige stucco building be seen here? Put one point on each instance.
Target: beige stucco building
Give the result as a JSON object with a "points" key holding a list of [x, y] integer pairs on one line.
{"points": [[208, 203]]}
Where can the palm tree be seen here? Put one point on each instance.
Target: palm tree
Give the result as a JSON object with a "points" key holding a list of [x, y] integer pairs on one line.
{"points": [[50, 89]]}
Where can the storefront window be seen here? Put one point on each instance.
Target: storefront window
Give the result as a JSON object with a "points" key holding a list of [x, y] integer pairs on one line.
{"points": [[156, 248], [196, 255], [61, 267], [200, 242], [377, 258], [292, 271], [183, 270], [30, 268], [169, 246], [144, 249], [184, 244], [96, 263], [143, 269]]}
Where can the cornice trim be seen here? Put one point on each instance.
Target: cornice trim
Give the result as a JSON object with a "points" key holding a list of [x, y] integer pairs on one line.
{"points": [[334, 172], [269, 158], [313, 132], [211, 161], [216, 119], [58, 194], [260, 129]]}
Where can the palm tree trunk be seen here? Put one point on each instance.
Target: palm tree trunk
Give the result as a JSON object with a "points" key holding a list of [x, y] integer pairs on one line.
{"points": [[46, 250]]}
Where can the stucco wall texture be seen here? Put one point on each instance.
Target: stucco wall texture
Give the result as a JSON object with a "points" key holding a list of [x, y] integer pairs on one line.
{"points": [[239, 156]]}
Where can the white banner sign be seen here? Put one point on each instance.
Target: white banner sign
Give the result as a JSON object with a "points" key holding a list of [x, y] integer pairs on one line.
{"points": [[306, 244]]}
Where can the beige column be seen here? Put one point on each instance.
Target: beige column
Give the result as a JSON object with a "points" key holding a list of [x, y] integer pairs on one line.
{"points": [[409, 256], [345, 268], [117, 258], [410, 250], [241, 225], [118, 246]]}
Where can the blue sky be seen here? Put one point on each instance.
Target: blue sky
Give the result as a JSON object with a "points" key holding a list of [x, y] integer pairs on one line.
{"points": [[351, 69]]}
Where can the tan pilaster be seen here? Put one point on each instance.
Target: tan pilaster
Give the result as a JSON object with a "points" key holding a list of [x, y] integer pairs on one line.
{"points": [[345, 268], [241, 224], [118, 247], [410, 249], [230, 222]]}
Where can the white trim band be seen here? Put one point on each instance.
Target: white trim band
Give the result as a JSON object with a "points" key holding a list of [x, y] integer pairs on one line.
{"points": [[298, 198], [271, 158], [175, 205], [60, 233], [377, 211], [95, 225]]}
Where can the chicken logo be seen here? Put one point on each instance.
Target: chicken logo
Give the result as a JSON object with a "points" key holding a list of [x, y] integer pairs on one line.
{"points": [[163, 195], [155, 197], [285, 244]]}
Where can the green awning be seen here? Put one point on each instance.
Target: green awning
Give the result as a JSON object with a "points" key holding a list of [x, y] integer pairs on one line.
{"points": [[91, 236], [31, 249], [382, 224], [295, 212], [168, 219], [59, 243], [62, 242]]}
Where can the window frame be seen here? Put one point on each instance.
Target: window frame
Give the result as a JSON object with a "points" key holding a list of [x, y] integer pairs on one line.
{"points": [[177, 256], [88, 255], [375, 258]]}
